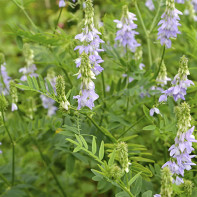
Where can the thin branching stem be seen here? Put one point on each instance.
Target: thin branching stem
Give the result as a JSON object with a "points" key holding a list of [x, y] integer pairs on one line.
{"points": [[13, 148], [146, 33]]}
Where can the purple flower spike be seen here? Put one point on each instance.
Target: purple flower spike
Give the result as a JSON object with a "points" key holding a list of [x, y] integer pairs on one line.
{"points": [[126, 33], [180, 153], [169, 24]]}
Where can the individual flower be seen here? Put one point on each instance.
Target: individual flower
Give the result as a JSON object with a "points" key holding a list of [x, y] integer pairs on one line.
{"points": [[62, 3], [179, 84], [180, 1], [90, 40], [149, 4], [87, 94], [126, 33], [154, 110], [141, 66], [169, 24], [30, 68]]}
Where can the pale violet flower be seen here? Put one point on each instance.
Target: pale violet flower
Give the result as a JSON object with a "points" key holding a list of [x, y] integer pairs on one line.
{"points": [[14, 107], [62, 3], [154, 110], [149, 4]]}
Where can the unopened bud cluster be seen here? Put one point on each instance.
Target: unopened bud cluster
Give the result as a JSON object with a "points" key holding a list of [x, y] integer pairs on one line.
{"points": [[61, 97]]}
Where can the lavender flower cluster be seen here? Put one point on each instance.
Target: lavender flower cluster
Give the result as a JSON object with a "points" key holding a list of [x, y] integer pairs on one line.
{"points": [[180, 153], [179, 84], [126, 35], [169, 24], [90, 67]]}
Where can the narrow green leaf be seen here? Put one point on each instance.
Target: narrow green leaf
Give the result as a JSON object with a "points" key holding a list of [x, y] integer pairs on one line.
{"points": [[79, 140], [19, 42], [112, 157], [101, 151], [72, 141], [42, 84], [36, 86], [29, 81], [23, 87], [132, 180], [137, 186], [94, 147], [84, 141], [77, 149], [149, 127], [50, 88]]}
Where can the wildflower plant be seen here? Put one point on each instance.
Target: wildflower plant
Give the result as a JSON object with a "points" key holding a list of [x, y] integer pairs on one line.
{"points": [[88, 108]]}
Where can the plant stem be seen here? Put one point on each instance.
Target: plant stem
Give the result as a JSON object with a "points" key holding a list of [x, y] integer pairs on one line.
{"points": [[146, 33], [13, 148], [162, 57], [125, 189], [58, 19], [155, 18], [48, 166], [4, 179], [103, 83], [25, 13], [132, 126]]}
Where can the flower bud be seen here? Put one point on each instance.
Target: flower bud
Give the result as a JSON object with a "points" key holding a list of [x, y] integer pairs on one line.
{"points": [[60, 89], [183, 68], [3, 103], [188, 186], [122, 155], [183, 117], [13, 93], [166, 183], [116, 172]]}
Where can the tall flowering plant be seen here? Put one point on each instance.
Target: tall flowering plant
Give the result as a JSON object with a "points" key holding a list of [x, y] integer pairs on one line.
{"points": [[89, 60]]}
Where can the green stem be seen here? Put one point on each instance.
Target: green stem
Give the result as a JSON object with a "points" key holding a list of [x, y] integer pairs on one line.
{"points": [[47, 164], [132, 126], [13, 148], [146, 33], [155, 18], [58, 20], [66, 73], [103, 83], [4, 179], [25, 13], [162, 57], [125, 189]]}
